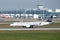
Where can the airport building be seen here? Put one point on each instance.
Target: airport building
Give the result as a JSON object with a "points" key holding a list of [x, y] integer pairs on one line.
{"points": [[35, 13]]}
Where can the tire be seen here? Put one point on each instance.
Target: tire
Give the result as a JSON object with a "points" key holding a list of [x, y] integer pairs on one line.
{"points": [[24, 26], [31, 26]]}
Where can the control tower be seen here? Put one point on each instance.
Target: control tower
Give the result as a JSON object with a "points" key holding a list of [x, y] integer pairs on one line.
{"points": [[41, 7]]}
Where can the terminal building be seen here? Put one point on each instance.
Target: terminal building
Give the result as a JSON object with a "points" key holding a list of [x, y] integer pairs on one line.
{"points": [[35, 13]]}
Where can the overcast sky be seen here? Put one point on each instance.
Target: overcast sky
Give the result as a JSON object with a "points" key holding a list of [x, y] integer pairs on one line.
{"points": [[17, 4]]}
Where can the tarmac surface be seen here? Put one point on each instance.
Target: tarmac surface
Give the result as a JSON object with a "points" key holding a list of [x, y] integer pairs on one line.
{"points": [[29, 28]]}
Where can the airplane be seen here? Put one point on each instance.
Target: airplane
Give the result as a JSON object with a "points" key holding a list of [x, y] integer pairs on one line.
{"points": [[29, 24]]}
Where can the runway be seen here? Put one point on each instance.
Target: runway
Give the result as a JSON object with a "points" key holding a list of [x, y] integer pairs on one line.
{"points": [[29, 28]]}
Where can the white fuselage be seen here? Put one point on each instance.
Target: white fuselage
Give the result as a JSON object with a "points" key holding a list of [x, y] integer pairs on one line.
{"points": [[28, 24]]}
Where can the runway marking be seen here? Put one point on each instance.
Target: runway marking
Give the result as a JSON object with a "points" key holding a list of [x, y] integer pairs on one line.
{"points": [[29, 28]]}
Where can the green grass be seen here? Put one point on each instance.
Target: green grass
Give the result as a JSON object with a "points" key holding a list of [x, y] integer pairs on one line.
{"points": [[29, 35], [52, 25]]}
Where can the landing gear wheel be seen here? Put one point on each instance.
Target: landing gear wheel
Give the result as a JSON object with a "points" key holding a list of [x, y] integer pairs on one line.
{"points": [[24, 26], [31, 26]]}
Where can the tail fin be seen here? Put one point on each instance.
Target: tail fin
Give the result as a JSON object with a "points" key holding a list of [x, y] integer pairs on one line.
{"points": [[50, 19]]}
